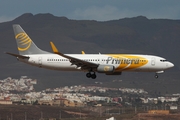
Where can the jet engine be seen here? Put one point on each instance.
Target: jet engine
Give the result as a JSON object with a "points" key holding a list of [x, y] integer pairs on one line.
{"points": [[105, 69]]}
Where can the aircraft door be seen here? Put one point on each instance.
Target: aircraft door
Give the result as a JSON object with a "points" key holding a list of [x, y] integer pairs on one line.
{"points": [[101, 61], [40, 61], [153, 61]]}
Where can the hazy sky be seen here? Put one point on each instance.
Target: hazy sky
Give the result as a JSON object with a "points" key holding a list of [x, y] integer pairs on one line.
{"points": [[101, 10]]}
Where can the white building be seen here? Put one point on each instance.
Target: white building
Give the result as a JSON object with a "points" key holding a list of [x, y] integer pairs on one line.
{"points": [[112, 118]]}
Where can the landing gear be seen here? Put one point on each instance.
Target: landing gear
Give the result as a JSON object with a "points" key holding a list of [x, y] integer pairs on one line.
{"points": [[88, 75], [156, 76], [91, 75]]}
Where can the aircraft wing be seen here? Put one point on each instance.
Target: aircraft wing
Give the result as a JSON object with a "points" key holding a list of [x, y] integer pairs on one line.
{"points": [[82, 64]]}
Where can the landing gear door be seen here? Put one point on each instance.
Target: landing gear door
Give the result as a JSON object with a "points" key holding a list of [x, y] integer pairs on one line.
{"points": [[153, 61]]}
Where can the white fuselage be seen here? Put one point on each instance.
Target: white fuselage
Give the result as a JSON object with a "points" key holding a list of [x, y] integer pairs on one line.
{"points": [[121, 62]]}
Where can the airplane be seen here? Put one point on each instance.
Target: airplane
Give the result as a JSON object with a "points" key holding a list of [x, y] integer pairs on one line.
{"points": [[109, 64]]}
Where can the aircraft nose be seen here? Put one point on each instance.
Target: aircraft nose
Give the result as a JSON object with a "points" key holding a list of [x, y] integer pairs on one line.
{"points": [[170, 65]]}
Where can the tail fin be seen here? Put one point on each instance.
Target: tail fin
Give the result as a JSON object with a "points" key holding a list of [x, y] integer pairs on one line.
{"points": [[24, 43]]}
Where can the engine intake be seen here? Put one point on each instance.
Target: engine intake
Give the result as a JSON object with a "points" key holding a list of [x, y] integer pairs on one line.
{"points": [[105, 69]]}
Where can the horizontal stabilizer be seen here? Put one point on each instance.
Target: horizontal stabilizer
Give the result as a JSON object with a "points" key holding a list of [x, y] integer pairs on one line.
{"points": [[16, 55]]}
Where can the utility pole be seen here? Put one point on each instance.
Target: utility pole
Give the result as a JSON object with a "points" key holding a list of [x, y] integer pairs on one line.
{"points": [[100, 111], [135, 110], [60, 114], [165, 106], [144, 108], [108, 111], [25, 116], [11, 116], [41, 115], [147, 108], [80, 113]]}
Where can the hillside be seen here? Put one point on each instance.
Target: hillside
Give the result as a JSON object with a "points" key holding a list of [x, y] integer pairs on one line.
{"points": [[129, 35]]}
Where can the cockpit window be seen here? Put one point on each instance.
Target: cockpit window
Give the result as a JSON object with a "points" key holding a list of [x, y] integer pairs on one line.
{"points": [[163, 60]]}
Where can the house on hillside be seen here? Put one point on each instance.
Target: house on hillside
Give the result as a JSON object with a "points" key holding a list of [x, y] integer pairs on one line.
{"points": [[5, 102]]}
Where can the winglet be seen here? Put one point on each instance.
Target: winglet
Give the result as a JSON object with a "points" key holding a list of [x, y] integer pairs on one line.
{"points": [[55, 50], [82, 52]]}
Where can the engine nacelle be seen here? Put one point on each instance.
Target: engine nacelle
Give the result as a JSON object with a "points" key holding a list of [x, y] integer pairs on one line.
{"points": [[105, 69]]}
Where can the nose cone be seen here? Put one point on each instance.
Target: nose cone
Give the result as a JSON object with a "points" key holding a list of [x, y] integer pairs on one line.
{"points": [[170, 65]]}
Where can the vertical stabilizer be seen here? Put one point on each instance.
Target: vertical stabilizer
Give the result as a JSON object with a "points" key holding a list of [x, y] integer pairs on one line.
{"points": [[24, 43]]}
